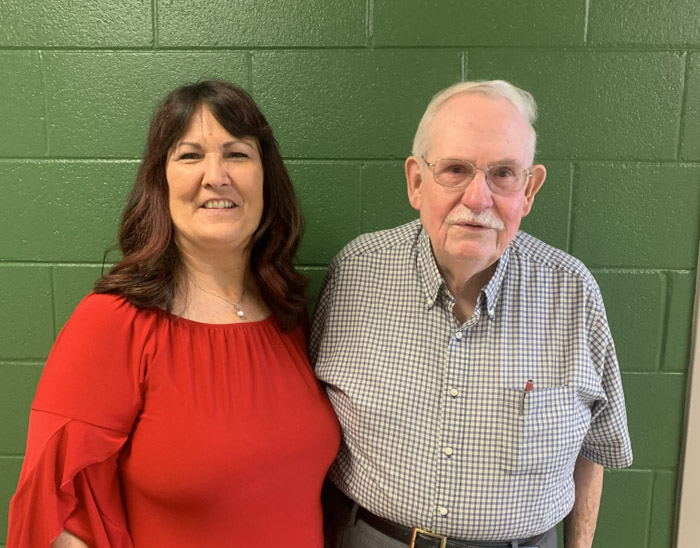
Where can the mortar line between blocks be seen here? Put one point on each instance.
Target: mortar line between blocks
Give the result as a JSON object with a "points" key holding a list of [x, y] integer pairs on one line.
{"points": [[347, 47], [650, 509], [44, 91], [570, 212], [684, 98], [369, 27], [586, 16], [249, 62], [52, 284], [465, 63], [665, 319], [154, 22], [360, 223]]}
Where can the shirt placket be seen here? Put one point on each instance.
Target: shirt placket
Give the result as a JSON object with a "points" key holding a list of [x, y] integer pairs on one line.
{"points": [[451, 447]]}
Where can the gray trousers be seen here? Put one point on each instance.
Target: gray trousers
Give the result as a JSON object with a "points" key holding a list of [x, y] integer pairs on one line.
{"points": [[343, 530]]}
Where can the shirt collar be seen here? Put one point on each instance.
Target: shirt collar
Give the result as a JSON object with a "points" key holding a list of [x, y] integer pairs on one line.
{"points": [[433, 281], [493, 288], [428, 270]]}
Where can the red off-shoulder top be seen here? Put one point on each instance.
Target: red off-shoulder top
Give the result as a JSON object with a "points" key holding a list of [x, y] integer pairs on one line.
{"points": [[152, 430]]}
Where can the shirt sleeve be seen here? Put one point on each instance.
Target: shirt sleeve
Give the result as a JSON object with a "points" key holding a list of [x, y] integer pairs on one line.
{"points": [[321, 315], [607, 441], [88, 398]]}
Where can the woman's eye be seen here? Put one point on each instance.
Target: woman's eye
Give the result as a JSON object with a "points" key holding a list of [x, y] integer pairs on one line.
{"points": [[188, 156], [236, 155]]}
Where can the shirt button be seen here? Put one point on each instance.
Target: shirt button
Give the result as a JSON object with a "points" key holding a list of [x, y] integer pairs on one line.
{"points": [[448, 451], [454, 392], [458, 335], [442, 510]]}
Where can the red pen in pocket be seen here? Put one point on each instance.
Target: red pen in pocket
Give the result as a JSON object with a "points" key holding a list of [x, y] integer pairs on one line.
{"points": [[529, 385]]}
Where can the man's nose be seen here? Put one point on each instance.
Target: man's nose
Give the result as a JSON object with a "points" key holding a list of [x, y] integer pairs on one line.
{"points": [[477, 194], [215, 173]]}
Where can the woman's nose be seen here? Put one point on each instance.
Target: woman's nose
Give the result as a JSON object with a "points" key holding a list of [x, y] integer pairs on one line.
{"points": [[215, 173]]}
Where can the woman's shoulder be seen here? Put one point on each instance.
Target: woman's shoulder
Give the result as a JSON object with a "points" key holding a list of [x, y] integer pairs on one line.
{"points": [[99, 303], [101, 306], [98, 363], [104, 315]]}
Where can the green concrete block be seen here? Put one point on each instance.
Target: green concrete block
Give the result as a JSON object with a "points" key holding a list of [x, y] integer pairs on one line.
{"points": [[247, 23], [349, 104], [17, 389], [315, 275], [690, 129], [636, 215], [644, 22], [10, 468], [624, 509], [549, 218], [680, 321], [634, 302], [595, 104], [70, 284], [26, 322], [663, 509], [22, 127], [330, 200], [78, 23], [65, 210], [100, 103], [560, 534], [384, 196], [476, 23], [655, 411]]}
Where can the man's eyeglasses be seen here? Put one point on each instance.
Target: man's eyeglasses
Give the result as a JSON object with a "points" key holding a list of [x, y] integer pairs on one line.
{"points": [[501, 178]]}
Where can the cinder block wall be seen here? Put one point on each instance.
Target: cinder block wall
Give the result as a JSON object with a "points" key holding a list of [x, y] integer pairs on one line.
{"points": [[344, 84]]}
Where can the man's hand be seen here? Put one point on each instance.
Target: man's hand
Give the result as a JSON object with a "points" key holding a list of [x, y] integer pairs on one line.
{"points": [[579, 525]]}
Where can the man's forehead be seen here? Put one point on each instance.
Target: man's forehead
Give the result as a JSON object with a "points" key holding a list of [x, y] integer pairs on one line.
{"points": [[475, 107], [476, 119]]}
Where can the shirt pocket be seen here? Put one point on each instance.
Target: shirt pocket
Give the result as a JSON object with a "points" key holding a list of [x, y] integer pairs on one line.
{"points": [[543, 432]]}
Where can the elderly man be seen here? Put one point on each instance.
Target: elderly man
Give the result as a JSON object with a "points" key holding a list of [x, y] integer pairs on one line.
{"points": [[470, 364]]}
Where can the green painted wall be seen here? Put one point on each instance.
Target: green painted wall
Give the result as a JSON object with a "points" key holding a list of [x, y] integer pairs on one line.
{"points": [[344, 84]]}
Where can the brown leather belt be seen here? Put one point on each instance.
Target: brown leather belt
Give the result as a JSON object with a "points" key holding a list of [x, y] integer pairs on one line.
{"points": [[419, 538]]}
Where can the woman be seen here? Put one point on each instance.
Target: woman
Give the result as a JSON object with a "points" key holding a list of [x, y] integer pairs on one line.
{"points": [[177, 407]]}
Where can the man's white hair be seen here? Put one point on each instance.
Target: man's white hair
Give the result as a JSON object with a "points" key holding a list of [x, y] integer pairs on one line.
{"points": [[521, 99]]}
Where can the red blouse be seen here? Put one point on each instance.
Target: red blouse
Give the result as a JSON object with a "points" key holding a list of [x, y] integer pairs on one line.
{"points": [[152, 430]]}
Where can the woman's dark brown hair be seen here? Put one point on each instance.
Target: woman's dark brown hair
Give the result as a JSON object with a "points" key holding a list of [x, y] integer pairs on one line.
{"points": [[151, 267]]}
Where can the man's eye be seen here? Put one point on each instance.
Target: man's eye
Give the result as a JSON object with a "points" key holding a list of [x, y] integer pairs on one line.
{"points": [[503, 172], [456, 169]]}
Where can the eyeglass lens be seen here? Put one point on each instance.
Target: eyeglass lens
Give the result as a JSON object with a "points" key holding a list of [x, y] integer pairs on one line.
{"points": [[504, 178]]}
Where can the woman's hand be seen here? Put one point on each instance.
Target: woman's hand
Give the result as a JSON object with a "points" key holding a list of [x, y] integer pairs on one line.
{"points": [[67, 540]]}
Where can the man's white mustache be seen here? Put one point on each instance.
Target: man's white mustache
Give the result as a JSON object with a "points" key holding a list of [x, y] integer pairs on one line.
{"points": [[484, 218]]}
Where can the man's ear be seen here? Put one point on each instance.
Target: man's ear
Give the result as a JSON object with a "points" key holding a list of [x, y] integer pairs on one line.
{"points": [[539, 174], [413, 181]]}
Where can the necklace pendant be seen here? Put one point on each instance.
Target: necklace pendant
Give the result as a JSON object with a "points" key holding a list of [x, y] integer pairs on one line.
{"points": [[239, 312]]}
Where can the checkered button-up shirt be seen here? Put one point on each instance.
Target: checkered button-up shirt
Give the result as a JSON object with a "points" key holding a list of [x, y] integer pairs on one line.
{"points": [[440, 430]]}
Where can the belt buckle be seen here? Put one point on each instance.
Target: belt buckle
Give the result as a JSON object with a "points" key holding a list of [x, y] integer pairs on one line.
{"points": [[416, 530]]}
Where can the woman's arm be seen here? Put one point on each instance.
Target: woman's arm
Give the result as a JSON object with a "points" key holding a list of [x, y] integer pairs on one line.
{"points": [[69, 479], [67, 540]]}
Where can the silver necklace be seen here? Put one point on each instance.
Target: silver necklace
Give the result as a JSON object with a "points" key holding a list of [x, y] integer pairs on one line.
{"points": [[235, 304]]}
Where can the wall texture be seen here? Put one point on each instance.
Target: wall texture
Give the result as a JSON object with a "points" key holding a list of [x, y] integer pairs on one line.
{"points": [[344, 84]]}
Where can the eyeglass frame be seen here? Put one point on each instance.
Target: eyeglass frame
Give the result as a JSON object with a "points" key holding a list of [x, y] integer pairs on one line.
{"points": [[490, 184]]}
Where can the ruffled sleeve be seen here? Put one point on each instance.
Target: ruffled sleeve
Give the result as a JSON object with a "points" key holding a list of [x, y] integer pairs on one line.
{"points": [[88, 398]]}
